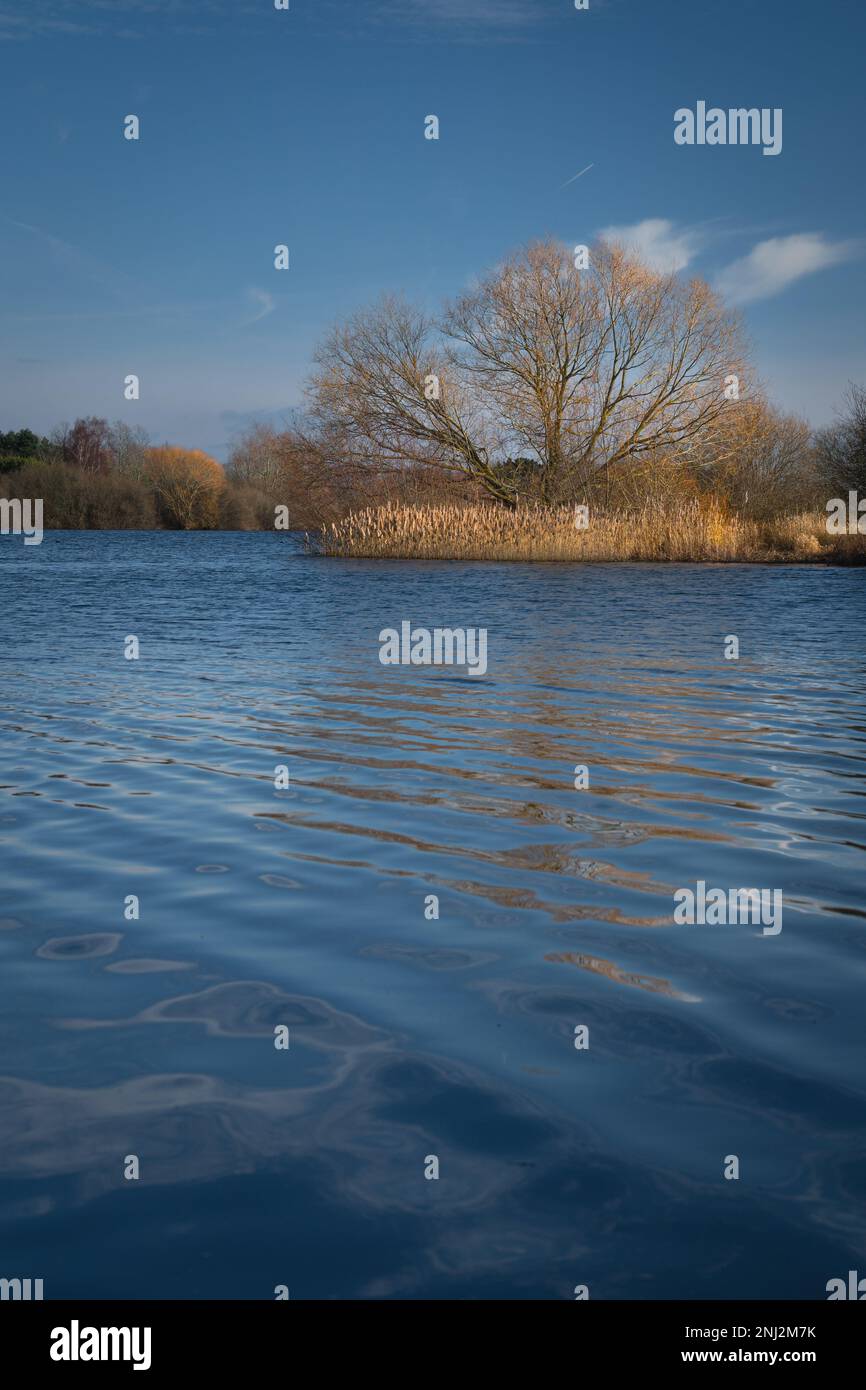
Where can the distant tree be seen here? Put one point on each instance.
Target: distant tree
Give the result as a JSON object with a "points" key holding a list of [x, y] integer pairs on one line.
{"points": [[187, 484], [260, 458], [758, 459], [18, 447], [298, 468], [842, 447], [21, 442], [127, 448], [244, 508], [86, 444]]}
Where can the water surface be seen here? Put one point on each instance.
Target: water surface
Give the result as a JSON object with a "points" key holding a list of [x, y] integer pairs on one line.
{"points": [[413, 1037]]}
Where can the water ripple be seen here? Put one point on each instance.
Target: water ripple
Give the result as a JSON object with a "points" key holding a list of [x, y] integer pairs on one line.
{"points": [[432, 909]]}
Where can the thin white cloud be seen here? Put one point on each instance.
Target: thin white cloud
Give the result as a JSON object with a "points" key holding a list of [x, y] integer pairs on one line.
{"points": [[491, 13], [26, 19], [76, 264], [773, 265], [657, 241], [263, 302], [460, 21]]}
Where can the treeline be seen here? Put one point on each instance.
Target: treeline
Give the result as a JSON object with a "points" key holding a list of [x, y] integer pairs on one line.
{"points": [[96, 475], [763, 465], [552, 381], [101, 475]]}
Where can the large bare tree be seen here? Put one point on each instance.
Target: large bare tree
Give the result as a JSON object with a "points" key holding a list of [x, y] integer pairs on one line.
{"points": [[575, 369]]}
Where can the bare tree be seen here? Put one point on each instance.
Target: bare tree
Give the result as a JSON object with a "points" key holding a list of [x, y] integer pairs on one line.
{"points": [[86, 444], [258, 458], [301, 468], [576, 369], [759, 459], [842, 446], [588, 368], [127, 447]]}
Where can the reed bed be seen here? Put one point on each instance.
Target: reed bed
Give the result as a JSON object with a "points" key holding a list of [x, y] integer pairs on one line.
{"points": [[696, 529]]}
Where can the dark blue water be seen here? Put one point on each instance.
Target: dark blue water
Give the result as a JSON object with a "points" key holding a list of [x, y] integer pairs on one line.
{"points": [[412, 1037]]}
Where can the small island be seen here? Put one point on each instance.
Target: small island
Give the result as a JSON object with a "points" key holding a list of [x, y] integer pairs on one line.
{"points": [[573, 406]]}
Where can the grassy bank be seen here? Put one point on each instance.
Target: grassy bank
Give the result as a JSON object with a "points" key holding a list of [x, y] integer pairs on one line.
{"points": [[694, 530]]}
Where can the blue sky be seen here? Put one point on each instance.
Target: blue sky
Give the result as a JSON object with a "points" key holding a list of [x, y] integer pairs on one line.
{"points": [[306, 127]]}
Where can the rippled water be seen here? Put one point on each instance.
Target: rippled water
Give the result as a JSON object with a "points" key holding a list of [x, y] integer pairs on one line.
{"points": [[413, 1037]]}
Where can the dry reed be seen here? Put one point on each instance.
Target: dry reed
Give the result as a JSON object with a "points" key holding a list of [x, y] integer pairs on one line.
{"points": [[691, 530]]}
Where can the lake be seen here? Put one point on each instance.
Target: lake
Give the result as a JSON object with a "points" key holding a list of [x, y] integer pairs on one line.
{"points": [[148, 1041]]}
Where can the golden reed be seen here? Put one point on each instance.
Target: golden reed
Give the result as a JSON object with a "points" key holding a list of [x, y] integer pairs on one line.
{"points": [[691, 530]]}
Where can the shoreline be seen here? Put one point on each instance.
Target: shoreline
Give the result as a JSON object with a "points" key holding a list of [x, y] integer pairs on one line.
{"points": [[842, 552]]}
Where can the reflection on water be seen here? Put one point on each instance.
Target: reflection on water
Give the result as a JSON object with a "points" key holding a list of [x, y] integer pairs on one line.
{"points": [[412, 1035]]}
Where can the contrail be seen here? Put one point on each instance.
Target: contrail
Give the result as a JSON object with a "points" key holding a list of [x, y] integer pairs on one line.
{"points": [[576, 176]]}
